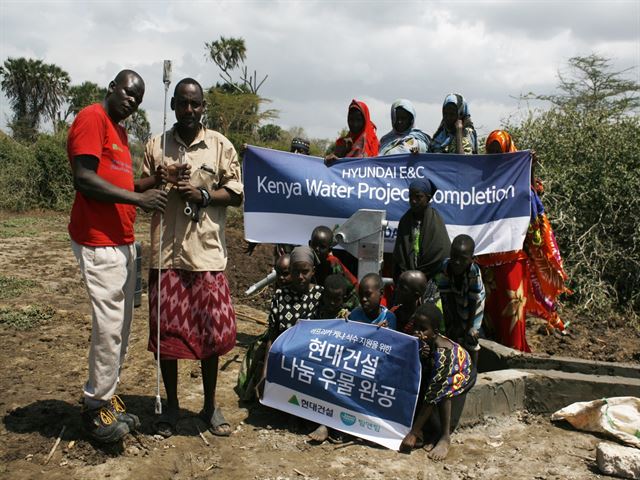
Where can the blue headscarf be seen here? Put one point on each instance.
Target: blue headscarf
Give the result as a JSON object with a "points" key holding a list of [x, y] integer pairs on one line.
{"points": [[443, 139], [396, 142]]}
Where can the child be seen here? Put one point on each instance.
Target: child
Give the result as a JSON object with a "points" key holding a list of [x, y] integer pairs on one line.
{"points": [[283, 272], [370, 293], [321, 242], [412, 286], [462, 293], [299, 300], [422, 242], [447, 376], [331, 306], [332, 302]]}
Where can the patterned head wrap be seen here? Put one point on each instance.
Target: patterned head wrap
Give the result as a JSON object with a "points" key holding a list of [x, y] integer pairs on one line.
{"points": [[504, 140], [300, 144]]}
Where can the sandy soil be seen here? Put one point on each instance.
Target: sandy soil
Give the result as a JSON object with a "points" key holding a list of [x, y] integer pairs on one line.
{"points": [[45, 366]]}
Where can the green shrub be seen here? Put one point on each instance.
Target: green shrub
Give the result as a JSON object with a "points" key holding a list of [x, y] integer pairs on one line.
{"points": [[17, 172], [54, 179], [590, 165]]}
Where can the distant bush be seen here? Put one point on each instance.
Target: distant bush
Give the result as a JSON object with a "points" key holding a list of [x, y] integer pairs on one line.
{"points": [[17, 173], [54, 178], [38, 175]]}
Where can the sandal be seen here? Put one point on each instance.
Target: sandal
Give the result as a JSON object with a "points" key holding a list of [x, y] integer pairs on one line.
{"points": [[166, 424], [216, 421]]}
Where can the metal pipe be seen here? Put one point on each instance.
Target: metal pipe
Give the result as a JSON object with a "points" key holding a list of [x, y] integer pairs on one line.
{"points": [[166, 79]]}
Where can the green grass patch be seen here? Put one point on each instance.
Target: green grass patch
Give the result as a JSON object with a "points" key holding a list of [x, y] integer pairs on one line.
{"points": [[24, 318], [18, 227], [13, 287], [31, 226]]}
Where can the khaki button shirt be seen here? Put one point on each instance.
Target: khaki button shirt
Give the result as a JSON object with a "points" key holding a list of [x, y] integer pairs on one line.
{"points": [[189, 245]]}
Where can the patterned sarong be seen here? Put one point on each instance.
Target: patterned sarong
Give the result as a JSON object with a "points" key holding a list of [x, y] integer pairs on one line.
{"points": [[506, 281], [451, 374], [197, 319]]}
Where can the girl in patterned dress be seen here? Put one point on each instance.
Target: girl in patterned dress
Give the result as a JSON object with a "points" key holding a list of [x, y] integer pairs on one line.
{"points": [[298, 300], [447, 375]]}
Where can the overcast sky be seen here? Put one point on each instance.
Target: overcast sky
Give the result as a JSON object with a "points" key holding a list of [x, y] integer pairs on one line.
{"points": [[321, 54]]}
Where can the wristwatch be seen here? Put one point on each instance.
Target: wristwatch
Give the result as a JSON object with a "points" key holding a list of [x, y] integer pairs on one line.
{"points": [[206, 197]]}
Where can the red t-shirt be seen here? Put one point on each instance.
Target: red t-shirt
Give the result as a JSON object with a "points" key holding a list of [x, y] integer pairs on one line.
{"points": [[95, 223]]}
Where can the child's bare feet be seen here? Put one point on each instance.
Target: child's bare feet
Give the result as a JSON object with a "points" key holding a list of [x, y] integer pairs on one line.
{"points": [[320, 434], [430, 440], [441, 449]]}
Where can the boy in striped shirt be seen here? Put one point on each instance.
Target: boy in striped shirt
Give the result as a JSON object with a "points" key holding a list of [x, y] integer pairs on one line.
{"points": [[462, 293]]}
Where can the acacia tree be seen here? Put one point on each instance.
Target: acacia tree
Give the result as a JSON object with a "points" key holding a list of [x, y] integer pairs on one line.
{"points": [[35, 90], [590, 84]]}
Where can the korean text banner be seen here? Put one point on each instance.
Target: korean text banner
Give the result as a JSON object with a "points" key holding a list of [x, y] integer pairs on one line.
{"points": [[351, 376], [485, 196]]}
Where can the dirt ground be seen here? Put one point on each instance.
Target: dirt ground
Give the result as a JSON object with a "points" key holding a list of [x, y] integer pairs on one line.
{"points": [[44, 367]]}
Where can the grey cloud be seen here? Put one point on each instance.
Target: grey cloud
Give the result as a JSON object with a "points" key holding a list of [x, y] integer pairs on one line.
{"points": [[588, 20], [320, 55]]}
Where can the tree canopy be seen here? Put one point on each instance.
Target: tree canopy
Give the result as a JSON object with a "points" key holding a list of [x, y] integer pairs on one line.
{"points": [[590, 84], [35, 90]]}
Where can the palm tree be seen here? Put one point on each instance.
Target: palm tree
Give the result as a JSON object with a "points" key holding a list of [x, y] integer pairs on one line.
{"points": [[54, 88], [229, 54], [34, 89], [83, 95]]}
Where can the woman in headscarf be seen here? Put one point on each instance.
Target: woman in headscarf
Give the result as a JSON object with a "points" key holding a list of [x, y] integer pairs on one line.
{"points": [[361, 141], [403, 138], [456, 133], [522, 281]]}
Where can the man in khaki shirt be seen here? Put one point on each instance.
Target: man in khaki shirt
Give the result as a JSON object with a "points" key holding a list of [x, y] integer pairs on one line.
{"points": [[197, 320]]}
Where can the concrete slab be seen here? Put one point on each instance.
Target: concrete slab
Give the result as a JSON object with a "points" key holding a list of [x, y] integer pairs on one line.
{"points": [[551, 390], [504, 392], [494, 356], [495, 394]]}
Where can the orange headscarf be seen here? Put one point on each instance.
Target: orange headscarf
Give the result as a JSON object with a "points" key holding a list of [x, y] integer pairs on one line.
{"points": [[504, 139], [364, 143]]}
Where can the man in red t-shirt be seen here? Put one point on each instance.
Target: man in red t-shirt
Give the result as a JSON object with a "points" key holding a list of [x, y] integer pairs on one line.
{"points": [[101, 230]]}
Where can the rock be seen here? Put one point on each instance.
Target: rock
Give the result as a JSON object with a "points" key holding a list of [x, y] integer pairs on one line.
{"points": [[132, 450], [618, 461]]}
